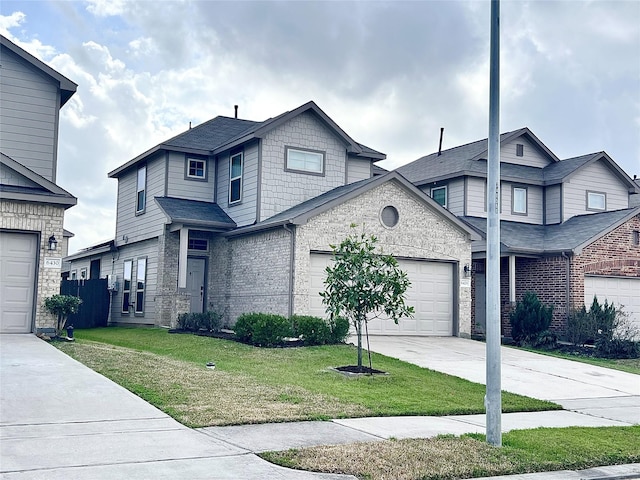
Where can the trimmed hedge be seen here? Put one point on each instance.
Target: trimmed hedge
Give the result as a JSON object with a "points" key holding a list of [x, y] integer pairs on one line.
{"points": [[194, 322]]}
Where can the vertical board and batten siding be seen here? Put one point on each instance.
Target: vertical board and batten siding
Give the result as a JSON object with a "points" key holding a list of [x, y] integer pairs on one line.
{"points": [[358, 169], [150, 223], [29, 104], [243, 212], [476, 197], [10, 177], [596, 177], [534, 204], [532, 156], [283, 189], [180, 186], [149, 250], [553, 204]]}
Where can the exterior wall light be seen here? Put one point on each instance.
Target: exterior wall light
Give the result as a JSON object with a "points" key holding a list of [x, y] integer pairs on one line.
{"points": [[53, 243], [467, 271]]}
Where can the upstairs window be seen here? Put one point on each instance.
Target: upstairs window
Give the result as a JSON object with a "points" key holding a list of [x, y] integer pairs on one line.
{"points": [[196, 168], [519, 150], [141, 189], [519, 201], [198, 244], [141, 275], [235, 177], [126, 286], [439, 194], [596, 201], [307, 161]]}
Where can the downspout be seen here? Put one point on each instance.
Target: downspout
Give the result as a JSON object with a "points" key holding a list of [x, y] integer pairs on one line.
{"points": [[567, 284], [292, 258]]}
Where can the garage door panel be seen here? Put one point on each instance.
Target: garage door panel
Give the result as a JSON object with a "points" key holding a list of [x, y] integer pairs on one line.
{"points": [[18, 259], [622, 291], [430, 293]]}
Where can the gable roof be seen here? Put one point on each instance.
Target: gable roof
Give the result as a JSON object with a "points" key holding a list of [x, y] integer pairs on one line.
{"points": [[303, 212], [223, 133], [464, 160], [67, 87], [42, 191], [195, 213], [573, 235]]}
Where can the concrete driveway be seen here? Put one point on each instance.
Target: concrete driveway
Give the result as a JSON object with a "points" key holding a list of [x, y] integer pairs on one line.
{"points": [[61, 420], [580, 387]]}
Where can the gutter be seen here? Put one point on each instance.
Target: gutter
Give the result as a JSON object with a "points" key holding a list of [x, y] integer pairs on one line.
{"points": [[292, 257]]}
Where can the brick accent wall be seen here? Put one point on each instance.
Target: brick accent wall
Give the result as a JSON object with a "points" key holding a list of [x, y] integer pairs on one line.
{"points": [[46, 220]]}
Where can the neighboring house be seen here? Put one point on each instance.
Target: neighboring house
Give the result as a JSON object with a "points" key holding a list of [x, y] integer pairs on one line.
{"points": [[32, 206], [238, 216], [567, 230]]}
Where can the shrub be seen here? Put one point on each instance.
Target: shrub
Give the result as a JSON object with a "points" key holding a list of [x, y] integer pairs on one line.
{"points": [[313, 330], [62, 306], [194, 322], [529, 319], [339, 329], [581, 327], [263, 329]]}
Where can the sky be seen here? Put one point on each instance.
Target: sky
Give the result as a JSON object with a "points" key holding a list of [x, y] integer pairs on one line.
{"points": [[391, 74]]}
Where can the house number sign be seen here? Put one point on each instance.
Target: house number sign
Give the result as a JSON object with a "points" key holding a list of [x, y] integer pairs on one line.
{"points": [[52, 262]]}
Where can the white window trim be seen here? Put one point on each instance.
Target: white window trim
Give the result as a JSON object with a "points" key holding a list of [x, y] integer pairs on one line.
{"points": [[603, 195], [513, 200], [142, 189], [74, 274], [83, 273], [139, 306], [318, 153], [188, 175], [446, 194], [236, 178], [126, 277]]}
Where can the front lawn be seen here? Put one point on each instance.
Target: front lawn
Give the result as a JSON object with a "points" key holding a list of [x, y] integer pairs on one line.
{"points": [[256, 385], [629, 365], [448, 457]]}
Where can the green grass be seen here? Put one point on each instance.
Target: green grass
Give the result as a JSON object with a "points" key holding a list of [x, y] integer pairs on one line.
{"points": [[295, 376], [448, 457], [629, 365]]}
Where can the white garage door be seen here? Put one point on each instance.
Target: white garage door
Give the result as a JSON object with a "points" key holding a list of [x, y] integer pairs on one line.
{"points": [[623, 291], [431, 295], [18, 254]]}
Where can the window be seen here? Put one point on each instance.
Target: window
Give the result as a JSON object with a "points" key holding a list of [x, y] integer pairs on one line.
{"points": [[308, 161], [198, 244], [389, 216], [196, 168], [519, 150], [74, 274], [141, 186], [141, 273], [235, 178], [596, 201], [126, 286], [636, 237], [83, 273], [439, 194], [519, 200]]}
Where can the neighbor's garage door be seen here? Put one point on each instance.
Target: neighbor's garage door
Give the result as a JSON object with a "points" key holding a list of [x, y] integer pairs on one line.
{"points": [[623, 291], [431, 294], [18, 256]]}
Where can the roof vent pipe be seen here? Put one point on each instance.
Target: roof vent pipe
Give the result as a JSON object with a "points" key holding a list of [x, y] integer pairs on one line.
{"points": [[440, 145], [235, 107]]}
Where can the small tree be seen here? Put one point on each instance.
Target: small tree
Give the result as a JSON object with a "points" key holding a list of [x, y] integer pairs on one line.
{"points": [[362, 282], [62, 306], [530, 318]]}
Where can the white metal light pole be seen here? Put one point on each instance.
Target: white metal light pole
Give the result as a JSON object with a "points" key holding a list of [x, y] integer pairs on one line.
{"points": [[493, 399]]}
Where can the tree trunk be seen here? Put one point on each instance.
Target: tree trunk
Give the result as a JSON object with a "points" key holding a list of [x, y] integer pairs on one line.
{"points": [[359, 333]]}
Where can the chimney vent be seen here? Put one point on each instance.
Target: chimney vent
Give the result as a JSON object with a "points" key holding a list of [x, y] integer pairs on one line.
{"points": [[235, 107], [440, 145]]}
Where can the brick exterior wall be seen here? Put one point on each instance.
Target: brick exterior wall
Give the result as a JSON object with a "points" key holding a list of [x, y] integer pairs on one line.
{"points": [[420, 233], [614, 254], [46, 220]]}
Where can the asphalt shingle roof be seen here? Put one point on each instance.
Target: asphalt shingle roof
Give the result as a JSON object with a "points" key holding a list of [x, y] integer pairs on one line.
{"points": [[213, 133], [192, 211], [570, 235]]}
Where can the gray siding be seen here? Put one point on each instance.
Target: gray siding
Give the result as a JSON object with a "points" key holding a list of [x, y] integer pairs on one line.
{"points": [[243, 212], [180, 186], [10, 177], [532, 157], [283, 189], [476, 197], [29, 103], [534, 204], [151, 222], [596, 178], [553, 204], [358, 169], [455, 196], [148, 250]]}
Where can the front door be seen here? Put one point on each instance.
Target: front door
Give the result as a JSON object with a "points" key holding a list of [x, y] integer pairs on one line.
{"points": [[195, 283]]}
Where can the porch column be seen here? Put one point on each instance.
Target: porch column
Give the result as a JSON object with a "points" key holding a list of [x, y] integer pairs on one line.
{"points": [[182, 258], [512, 279]]}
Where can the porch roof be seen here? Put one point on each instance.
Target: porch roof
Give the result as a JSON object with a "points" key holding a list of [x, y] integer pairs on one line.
{"points": [[196, 213]]}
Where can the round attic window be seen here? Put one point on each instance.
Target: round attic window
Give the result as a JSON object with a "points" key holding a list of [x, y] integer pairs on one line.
{"points": [[389, 216]]}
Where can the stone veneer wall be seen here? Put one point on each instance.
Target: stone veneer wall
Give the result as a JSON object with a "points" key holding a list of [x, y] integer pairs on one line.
{"points": [[420, 233], [46, 220]]}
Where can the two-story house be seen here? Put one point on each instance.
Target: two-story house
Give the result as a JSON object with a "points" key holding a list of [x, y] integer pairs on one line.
{"points": [[568, 231], [238, 216], [32, 206]]}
